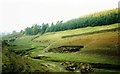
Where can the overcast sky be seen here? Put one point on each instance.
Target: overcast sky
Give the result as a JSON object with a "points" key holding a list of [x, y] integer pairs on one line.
{"points": [[19, 14]]}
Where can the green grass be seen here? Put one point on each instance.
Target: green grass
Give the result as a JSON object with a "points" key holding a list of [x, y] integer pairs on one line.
{"points": [[16, 63], [104, 71], [80, 57], [26, 42]]}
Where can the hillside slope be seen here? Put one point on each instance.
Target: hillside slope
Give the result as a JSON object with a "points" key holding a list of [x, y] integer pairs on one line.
{"points": [[89, 31], [104, 44], [100, 49]]}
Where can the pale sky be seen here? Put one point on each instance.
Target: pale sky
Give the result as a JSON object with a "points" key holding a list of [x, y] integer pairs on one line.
{"points": [[19, 14]]}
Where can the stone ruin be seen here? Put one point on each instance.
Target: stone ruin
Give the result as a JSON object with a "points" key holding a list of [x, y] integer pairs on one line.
{"points": [[82, 67], [66, 49]]}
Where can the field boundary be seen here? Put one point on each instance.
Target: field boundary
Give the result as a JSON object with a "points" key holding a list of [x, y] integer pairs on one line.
{"points": [[88, 33]]}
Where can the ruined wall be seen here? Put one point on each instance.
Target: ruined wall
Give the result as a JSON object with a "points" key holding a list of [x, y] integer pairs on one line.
{"points": [[66, 49]]}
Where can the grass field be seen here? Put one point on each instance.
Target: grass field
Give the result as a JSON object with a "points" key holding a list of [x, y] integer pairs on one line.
{"points": [[99, 47], [51, 37]]}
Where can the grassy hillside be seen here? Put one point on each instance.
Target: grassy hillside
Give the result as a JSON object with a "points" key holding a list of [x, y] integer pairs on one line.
{"points": [[103, 44], [100, 47], [56, 36]]}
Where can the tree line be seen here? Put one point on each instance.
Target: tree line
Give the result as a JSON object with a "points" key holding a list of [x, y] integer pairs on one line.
{"points": [[35, 29], [97, 19]]}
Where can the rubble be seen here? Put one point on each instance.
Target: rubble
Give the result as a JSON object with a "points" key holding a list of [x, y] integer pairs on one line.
{"points": [[81, 67]]}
